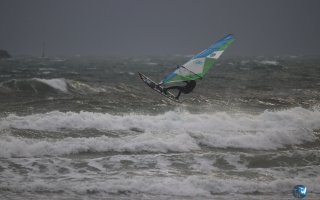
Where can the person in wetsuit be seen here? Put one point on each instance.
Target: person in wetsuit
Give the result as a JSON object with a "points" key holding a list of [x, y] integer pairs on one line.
{"points": [[190, 85]]}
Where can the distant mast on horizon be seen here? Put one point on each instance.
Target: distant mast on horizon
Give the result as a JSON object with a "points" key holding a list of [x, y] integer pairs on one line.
{"points": [[43, 55]]}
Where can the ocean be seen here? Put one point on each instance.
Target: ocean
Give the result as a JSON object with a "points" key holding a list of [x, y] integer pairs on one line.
{"points": [[89, 128]]}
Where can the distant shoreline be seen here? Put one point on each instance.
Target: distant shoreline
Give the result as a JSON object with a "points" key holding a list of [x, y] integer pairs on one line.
{"points": [[4, 54]]}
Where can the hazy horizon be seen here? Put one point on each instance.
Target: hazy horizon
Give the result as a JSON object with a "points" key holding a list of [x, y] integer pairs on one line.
{"points": [[150, 27]]}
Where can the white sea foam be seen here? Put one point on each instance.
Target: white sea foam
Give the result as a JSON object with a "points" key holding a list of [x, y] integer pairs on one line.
{"points": [[18, 147], [111, 176], [269, 62], [192, 186], [151, 63], [57, 83], [171, 131], [83, 87]]}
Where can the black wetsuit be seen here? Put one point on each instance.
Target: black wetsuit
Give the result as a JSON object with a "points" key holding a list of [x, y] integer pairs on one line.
{"points": [[190, 85]]}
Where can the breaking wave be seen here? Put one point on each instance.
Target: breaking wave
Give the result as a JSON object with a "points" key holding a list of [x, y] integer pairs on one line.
{"points": [[147, 142], [58, 84], [171, 131], [44, 86]]}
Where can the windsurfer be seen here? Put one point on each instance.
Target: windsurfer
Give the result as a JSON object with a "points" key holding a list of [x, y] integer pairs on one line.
{"points": [[190, 85]]}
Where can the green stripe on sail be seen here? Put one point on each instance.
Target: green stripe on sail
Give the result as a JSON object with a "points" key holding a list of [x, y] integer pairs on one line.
{"points": [[208, 64], [226, 45]]}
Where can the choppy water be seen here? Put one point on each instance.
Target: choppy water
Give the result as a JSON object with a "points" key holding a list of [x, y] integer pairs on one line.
{"points": [[88, 128]]}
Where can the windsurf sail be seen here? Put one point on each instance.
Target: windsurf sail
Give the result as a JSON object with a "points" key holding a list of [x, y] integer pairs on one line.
{"points": [[199, 65]]}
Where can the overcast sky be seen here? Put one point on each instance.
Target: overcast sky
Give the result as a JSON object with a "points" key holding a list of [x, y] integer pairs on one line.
{"points": [[159, 27]]}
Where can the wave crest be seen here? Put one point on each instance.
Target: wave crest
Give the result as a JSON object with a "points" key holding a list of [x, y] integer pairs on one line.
{"points": [[44, 86], [171, 131]]}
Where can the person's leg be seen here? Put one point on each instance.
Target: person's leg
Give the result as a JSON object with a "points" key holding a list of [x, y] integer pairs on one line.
{"points": [[177, 97], [174, 88], [171, 88]]}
